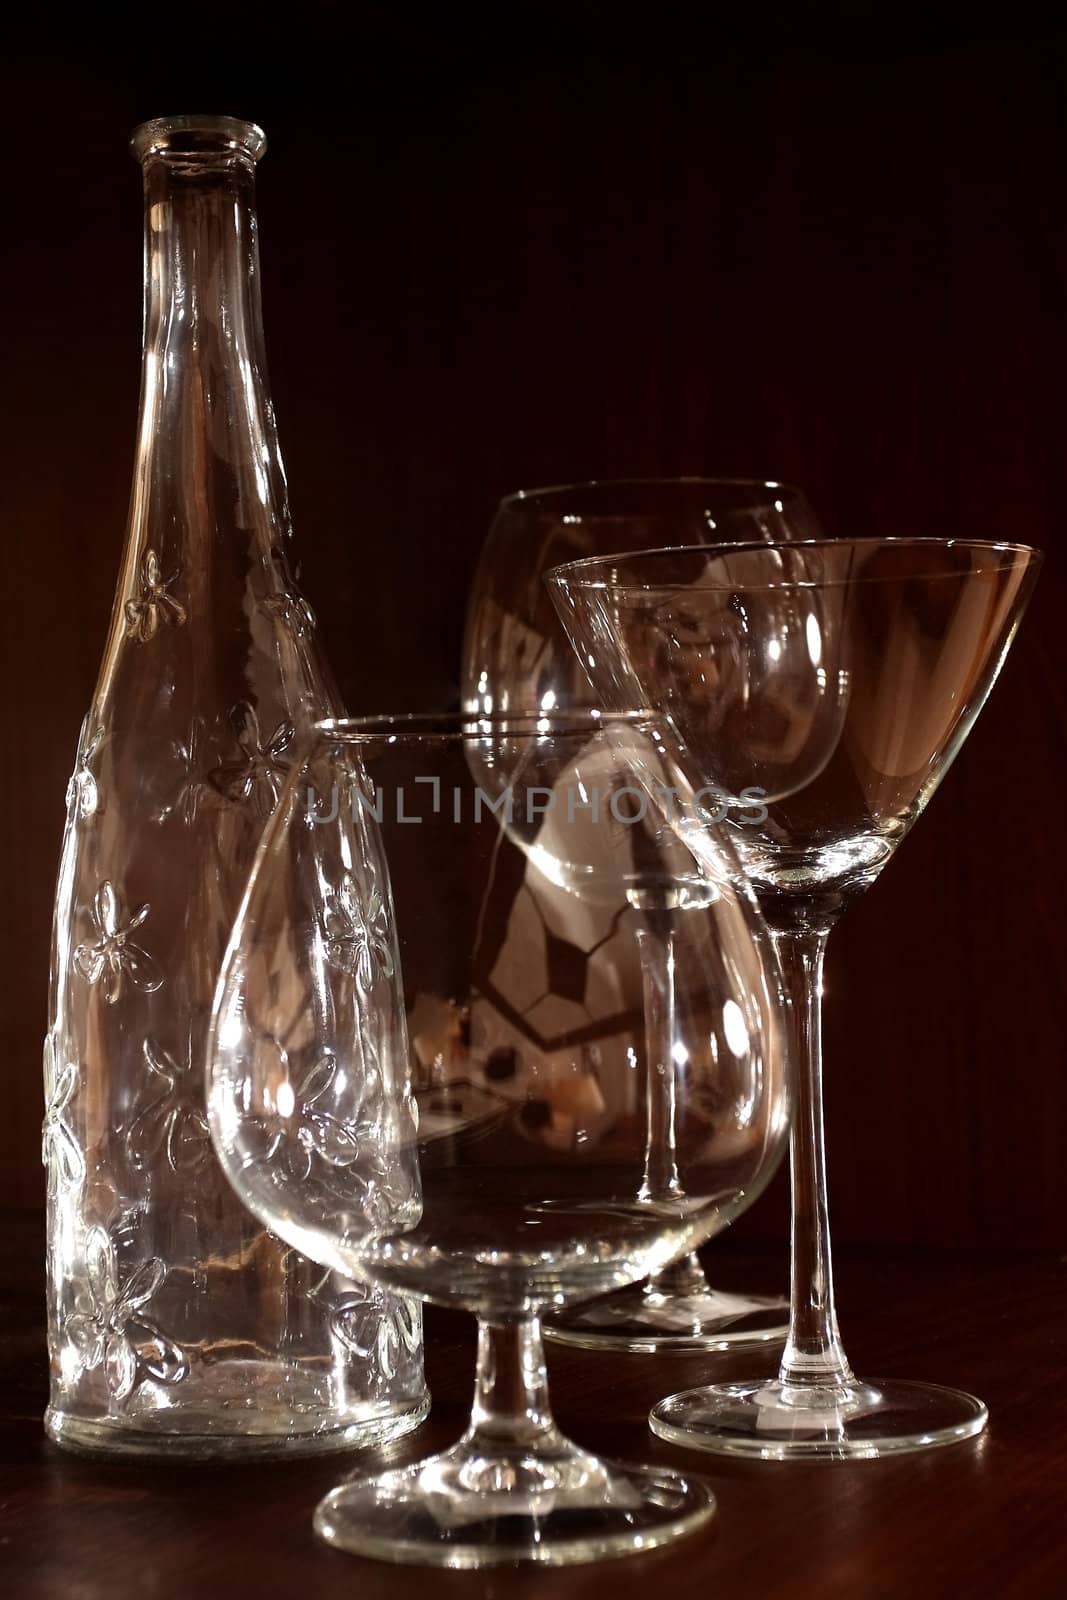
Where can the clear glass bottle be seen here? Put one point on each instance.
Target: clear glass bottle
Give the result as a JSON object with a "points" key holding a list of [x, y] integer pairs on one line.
{"points": [[177, 1323]]}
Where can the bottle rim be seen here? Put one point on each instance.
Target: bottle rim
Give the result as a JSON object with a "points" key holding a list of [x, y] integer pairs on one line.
{"points": [[199, 136]]}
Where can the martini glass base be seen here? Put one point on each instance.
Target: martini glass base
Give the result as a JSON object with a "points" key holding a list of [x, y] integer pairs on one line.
{"points": [[465, 1511], [780, 1422], [642, 1320]]}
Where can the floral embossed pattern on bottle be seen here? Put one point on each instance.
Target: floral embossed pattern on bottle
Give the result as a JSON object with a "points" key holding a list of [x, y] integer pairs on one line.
{"points": [[177, 1322]]}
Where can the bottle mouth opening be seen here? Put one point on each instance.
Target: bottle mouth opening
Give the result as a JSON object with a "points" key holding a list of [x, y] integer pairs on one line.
{"points": [[197, 136]]}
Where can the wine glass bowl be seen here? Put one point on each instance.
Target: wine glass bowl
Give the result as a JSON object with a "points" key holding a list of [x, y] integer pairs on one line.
{"points": [[909, 636], [431, 1045], [515, 654]]}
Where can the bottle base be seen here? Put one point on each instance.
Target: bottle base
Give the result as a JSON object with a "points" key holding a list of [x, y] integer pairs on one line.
{"points": [[176, 1435]]}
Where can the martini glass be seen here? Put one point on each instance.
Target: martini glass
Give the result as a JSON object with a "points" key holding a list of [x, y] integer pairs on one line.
{"points": [[916, 632], [516, 657]]}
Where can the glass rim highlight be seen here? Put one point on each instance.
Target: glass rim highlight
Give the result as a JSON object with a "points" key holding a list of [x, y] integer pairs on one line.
{"points": [[548, 494], [440, 727], [583, 574]]}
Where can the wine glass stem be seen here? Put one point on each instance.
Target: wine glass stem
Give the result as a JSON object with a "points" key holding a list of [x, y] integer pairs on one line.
{"points": [[511, 1410], [814, 1355], [660, 1180]]}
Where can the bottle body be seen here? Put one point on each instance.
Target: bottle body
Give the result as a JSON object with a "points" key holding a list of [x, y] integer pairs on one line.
{"points": [[176, 1321]]}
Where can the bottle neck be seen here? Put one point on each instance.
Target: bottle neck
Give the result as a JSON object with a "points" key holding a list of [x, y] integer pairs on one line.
{"points": [[208, 458], [201, 254]]}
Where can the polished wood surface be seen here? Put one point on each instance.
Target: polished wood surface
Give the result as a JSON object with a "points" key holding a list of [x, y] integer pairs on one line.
{"points": [[981, 1518], [821, 253]]}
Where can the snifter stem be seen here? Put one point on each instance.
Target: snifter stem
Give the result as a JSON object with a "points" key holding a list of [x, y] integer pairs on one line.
{"points": [[511, 1407]]}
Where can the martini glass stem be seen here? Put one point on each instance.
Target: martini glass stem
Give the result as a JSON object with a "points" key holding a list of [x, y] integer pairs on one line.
{"points": [[814, 1356]]}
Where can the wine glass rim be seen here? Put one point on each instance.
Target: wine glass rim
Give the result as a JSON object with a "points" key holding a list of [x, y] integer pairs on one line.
{"points": [[581, 574], [442, 726], [550, 492]]}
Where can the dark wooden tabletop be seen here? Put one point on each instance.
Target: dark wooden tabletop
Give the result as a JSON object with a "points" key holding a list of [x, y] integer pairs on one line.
{"points": [[984, 1518]]}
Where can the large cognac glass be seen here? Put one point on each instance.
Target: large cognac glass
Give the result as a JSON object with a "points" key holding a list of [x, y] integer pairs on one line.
{"points": [[431, 1041], [177, 1323]]}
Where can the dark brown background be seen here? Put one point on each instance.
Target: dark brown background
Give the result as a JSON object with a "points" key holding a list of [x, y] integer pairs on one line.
{"points": [[590, 248]]}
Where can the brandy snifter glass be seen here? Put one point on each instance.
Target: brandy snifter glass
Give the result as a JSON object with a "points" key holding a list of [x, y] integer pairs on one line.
{"points": [[435, 1035]]}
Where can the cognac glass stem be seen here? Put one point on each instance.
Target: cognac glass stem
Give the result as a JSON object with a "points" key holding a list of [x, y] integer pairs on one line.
{"points": [[814, 1355], [511, 1411]]}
